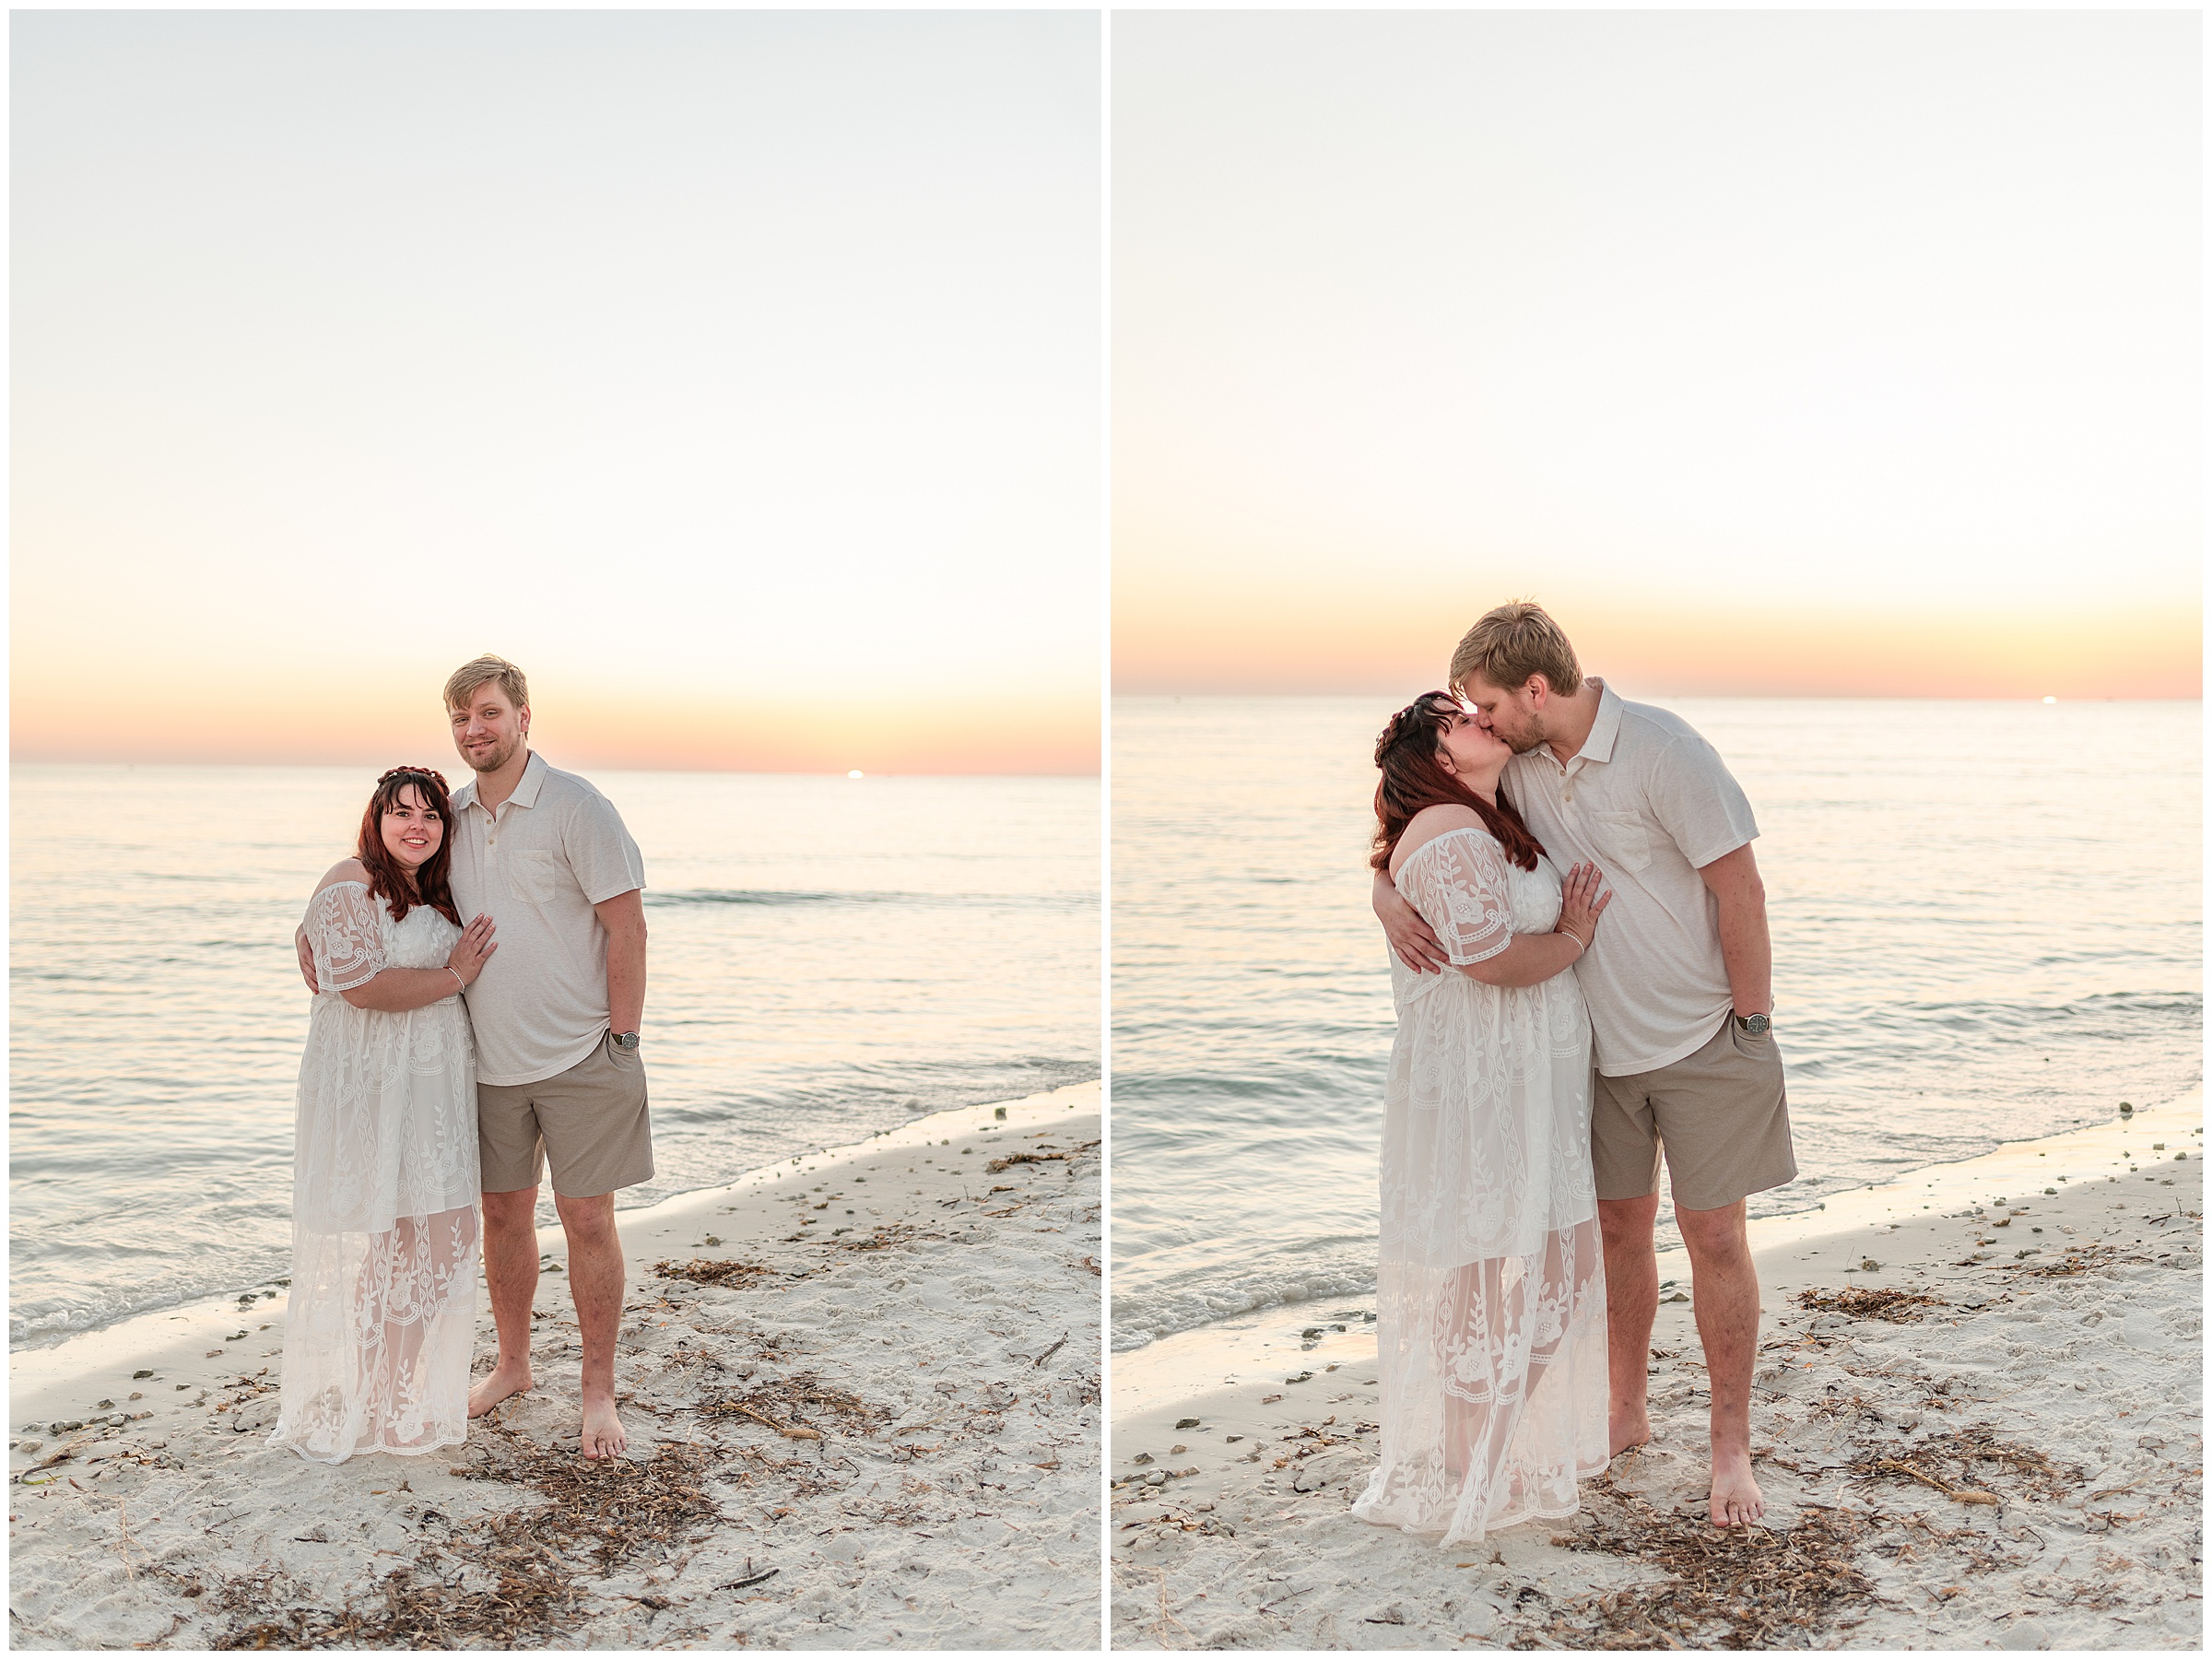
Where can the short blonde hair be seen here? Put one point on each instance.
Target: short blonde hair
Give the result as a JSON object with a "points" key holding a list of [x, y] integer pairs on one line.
{"points": [[1512, 643], [472, 674]]}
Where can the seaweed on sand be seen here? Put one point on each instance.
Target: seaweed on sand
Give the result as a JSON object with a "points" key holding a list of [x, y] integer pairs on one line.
{"points": [[1956, 1463], [1870, 1302], [707, 1271], [798, 1408], [506, 1579], [1755, 1587]]}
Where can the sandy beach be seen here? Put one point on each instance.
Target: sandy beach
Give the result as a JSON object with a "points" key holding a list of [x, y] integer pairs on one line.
{"points": [[1977, 1422], [863, 1396]]}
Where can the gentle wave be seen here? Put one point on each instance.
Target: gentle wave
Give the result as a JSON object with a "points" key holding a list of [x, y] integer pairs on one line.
{"points": [[797, 897], [1145, 1318]]}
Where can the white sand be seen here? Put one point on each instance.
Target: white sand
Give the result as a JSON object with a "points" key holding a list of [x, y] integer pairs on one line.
{"points": [[1248, 1544], [962, 1514]]}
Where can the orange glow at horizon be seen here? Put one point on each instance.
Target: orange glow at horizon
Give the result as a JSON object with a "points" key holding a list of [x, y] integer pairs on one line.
{"points": [[972, 736], [1196, 643]]}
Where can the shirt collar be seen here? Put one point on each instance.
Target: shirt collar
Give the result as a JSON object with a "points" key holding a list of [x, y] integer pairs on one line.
{"points": [[1598, 746], [531, 779], [525, 788]]}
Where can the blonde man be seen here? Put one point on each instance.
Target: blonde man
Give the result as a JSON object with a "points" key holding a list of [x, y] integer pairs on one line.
{"points": [[560, 1079], [1679, 984]]}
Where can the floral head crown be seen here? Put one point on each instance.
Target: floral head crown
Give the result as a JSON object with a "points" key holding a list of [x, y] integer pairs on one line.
{"points": [[1426, 711], [430, 772]]}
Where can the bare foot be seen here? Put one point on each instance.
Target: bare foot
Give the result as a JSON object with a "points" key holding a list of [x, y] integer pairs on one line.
{"points": [[1630, 1427], [603, 1436], [1736, 1501], [508, 1377]]}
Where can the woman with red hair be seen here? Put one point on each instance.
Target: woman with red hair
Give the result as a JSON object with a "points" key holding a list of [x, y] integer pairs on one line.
{"points": [[382, 1317], [1491, 1289]]}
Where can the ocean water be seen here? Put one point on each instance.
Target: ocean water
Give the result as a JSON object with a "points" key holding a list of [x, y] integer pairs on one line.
{"points": [[1986, 921], [829, 958]]}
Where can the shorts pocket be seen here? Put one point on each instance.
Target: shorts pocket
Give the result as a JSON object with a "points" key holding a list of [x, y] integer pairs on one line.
{"points": [[1624, 840], [1761, 1049]]}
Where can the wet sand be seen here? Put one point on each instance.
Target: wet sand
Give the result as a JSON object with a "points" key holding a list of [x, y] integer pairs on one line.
{"points": [[2086, 1532], [888, 1439]]}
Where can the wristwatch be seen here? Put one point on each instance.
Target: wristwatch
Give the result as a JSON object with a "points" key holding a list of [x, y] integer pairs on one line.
{"points": [[1755, 1025], [626, 1042]]}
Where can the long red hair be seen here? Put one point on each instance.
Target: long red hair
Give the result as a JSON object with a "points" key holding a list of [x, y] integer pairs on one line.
{"points": [[1413, 778], [387, 876]]}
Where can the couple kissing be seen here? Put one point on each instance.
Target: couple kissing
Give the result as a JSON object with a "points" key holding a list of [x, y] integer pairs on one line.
{"points": [[1557, 1037]]}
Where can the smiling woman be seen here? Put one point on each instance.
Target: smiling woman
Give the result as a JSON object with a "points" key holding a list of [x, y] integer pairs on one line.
{"points": [[381, 1319]]}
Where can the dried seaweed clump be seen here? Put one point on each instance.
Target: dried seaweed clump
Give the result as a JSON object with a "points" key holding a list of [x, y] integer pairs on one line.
{"points": [[1870, 1302], [2079, 1259], [705, 1271], [801, 1408], [1959, 1462], [881, 1238], [1756, 1587], [507, 1579], [1011, 1160]]}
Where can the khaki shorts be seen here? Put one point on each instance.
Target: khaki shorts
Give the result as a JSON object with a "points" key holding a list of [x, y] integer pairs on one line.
{"points": [[590, 1122], [1720, 1113]]}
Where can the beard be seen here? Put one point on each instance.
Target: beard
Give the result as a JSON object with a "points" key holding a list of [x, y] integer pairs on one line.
{"points": [[496, 758], [1520, 743]]}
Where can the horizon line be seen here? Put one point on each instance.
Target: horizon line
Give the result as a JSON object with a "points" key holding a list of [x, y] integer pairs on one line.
{"points": [[853, 775], [1769, 697]]}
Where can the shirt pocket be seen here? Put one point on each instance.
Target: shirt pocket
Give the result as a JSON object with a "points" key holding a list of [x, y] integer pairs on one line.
{"points": [[538, 876], [1624, 840]]}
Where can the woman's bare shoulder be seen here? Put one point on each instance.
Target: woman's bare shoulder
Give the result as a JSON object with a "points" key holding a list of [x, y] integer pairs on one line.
{"points": [[1430, 823], [345, 870]]}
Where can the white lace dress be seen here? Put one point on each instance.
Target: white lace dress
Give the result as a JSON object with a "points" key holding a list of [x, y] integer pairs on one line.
{"points": [[1491, 1313], [383, 1313]]}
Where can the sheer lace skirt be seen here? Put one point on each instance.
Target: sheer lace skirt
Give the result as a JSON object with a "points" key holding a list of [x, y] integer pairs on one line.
{"points": [[377, 1342], [1491, 1291], [1493, 1379], [381, 1318]]}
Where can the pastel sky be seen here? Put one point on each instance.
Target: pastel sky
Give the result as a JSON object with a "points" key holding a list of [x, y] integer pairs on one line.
{"points": [[1840, 352], [737, 374]]}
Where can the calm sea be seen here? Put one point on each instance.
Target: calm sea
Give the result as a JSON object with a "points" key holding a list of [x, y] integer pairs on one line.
{"points": [[1986, 921], [830, 958]]}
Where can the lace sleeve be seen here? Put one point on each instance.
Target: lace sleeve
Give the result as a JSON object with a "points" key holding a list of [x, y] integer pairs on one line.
{"points": [[1460, 888], [342, 930]]}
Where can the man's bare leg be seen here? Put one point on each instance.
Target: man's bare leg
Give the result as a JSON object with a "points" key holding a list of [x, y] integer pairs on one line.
{"points": [[1725, 1292], [595, 1281], [1632, 1304], [511, 1270]]}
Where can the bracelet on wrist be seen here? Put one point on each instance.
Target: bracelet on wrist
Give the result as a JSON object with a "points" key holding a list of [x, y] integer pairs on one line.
{"points": [[456, 974]]}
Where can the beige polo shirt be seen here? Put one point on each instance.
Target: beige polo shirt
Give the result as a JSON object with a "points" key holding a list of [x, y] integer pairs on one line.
{"points": [[555, 849], [1647, 801]]}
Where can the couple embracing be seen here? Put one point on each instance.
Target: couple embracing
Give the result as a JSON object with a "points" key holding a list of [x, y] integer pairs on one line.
{"points": [[1518, 1279], [448, 1059]]}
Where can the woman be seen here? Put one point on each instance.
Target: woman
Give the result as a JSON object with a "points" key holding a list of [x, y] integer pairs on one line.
{"points": [[1492, 1295], [383, 1313]]}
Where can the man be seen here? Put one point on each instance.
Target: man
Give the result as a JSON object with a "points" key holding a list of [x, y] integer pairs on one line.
{"points": [[558, 1076], [1679, 981]]}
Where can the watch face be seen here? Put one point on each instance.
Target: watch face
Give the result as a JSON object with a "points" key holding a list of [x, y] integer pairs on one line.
{"points": [[1757, 1025]]}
